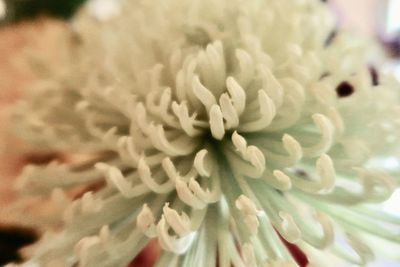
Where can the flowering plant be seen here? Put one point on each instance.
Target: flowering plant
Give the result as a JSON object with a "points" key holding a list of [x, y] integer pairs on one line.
{"points": [[221, 128]]}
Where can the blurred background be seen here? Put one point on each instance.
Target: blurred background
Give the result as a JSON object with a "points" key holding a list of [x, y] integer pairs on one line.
{"points": [[378, 19], [27, 25]]}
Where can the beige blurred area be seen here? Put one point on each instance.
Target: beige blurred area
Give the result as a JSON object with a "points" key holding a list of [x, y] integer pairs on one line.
{"points": [[18, 43], [42, 38], [45, 38]]}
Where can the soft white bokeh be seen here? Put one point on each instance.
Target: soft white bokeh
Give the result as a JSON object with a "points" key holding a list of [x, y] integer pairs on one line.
{"points": [[2, 9], [393, 19], [104, 9]]}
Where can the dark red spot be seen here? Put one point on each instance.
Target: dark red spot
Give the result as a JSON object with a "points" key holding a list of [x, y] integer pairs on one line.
{"points": [[94, 187], [42, 158], [324, 75], [344, 89], [148, 256], [302, 173], [331, 37], [296, 253], [374, 75]]}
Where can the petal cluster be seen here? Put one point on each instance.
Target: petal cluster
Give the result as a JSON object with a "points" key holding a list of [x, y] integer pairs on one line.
{"points": [[216, 127]]}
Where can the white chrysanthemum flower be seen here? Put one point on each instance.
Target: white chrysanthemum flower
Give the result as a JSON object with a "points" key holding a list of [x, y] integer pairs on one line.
{"points": [[214, 126]]}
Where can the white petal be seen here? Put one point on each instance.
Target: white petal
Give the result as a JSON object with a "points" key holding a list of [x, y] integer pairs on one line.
{"points": [[327, 136], [145, 222], [187, 196], [203, 94], [290, 231], [171, 243], [146, 177], [228, 111], [202, 163], [181, 224], [216, 122], [237, 93]]}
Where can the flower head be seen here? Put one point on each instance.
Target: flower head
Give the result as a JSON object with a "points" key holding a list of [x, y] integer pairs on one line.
{"points": [[217, 127]]}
